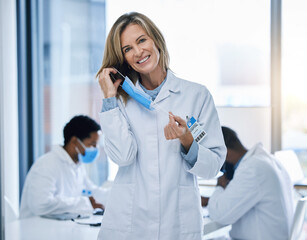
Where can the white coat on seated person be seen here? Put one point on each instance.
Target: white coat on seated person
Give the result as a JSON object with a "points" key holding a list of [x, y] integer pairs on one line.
{"points": [[54, 185], [155, 193], [258, 201]]}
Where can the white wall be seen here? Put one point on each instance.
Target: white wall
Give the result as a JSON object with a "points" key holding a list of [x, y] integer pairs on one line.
{"points": [[9, 98], [252, 124], [1, 130]]}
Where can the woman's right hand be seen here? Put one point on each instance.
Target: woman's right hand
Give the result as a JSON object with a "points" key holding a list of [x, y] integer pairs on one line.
{"points": [[109, 89]]}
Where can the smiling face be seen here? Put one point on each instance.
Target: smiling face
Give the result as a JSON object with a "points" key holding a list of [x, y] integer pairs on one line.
{"points": [[139, 50]]}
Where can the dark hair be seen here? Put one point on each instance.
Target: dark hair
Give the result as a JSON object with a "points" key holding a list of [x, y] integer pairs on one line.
{"points": [[231, 138], [81, 127]]}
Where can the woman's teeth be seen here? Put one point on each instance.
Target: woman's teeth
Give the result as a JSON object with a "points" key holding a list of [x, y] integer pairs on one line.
{"points": [[143, 60]]}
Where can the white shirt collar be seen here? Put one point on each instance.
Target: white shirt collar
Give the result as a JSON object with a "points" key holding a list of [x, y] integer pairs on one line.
{"points": [[64, 156], [251, 151]]}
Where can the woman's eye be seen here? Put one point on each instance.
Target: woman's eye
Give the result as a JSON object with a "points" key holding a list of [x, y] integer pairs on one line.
{"points": [[142, 40], [127, 49]]}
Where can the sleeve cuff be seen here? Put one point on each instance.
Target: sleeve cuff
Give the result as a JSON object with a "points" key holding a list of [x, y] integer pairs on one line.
{"points": [[108, 104], [191, 156]]}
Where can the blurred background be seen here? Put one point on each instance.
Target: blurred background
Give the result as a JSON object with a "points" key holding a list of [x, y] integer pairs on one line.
{"points": [[251, 54]]}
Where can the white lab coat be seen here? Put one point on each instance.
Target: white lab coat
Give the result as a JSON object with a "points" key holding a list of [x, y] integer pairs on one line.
{"points": [[258, 201], [155, 193], [54, 185]]}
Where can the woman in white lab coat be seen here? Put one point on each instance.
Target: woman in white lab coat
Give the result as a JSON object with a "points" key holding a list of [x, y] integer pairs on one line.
{"points": [[155, 193]]}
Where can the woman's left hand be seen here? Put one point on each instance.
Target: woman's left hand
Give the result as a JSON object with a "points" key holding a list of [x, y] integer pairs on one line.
{"points": [[177, 128]]}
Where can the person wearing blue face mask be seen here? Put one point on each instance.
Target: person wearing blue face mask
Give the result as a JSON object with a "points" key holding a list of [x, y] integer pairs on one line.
{"points": [[57, 182], [89, 155]]}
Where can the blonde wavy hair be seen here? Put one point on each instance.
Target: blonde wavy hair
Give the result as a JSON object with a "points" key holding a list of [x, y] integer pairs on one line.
{"points": [[113, 55]]}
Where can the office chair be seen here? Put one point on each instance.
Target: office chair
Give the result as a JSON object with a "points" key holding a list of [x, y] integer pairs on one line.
{"points": [[298, 219]]}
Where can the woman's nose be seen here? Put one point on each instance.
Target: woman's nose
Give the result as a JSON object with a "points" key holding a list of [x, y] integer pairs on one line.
{"points": [[138, 51]]}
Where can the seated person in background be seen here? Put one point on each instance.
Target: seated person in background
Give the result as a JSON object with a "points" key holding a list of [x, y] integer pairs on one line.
{"points": [[57, 181], [258, 201], [228, 170]]}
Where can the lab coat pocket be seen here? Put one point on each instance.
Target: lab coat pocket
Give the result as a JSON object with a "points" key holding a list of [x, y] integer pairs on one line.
{"points": [[190, 217], [118, 212]]}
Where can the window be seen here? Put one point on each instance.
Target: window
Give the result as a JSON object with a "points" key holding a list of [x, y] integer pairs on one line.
{"points": [[73, 34], [294, 75], [222, 44]]}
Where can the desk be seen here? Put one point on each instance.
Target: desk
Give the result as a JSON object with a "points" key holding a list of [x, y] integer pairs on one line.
{"points": [[301, 184], [207, 183], [38, 228]]}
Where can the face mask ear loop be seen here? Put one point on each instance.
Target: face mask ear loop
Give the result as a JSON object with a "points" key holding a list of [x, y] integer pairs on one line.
{"points": [[158, 107], [82, 144], [77, 150]]}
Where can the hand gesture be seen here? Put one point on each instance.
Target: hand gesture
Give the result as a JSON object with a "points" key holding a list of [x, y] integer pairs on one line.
{"points": [[108, 88], [177, 128]]}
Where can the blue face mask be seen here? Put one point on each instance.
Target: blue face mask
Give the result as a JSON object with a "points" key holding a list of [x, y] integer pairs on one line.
{"points": [[90, 154], [137, 94]]}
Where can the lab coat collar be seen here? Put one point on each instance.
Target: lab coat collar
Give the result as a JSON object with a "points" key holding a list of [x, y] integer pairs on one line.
{"points": [[171, 85], [256, 148], [64, 156]]}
